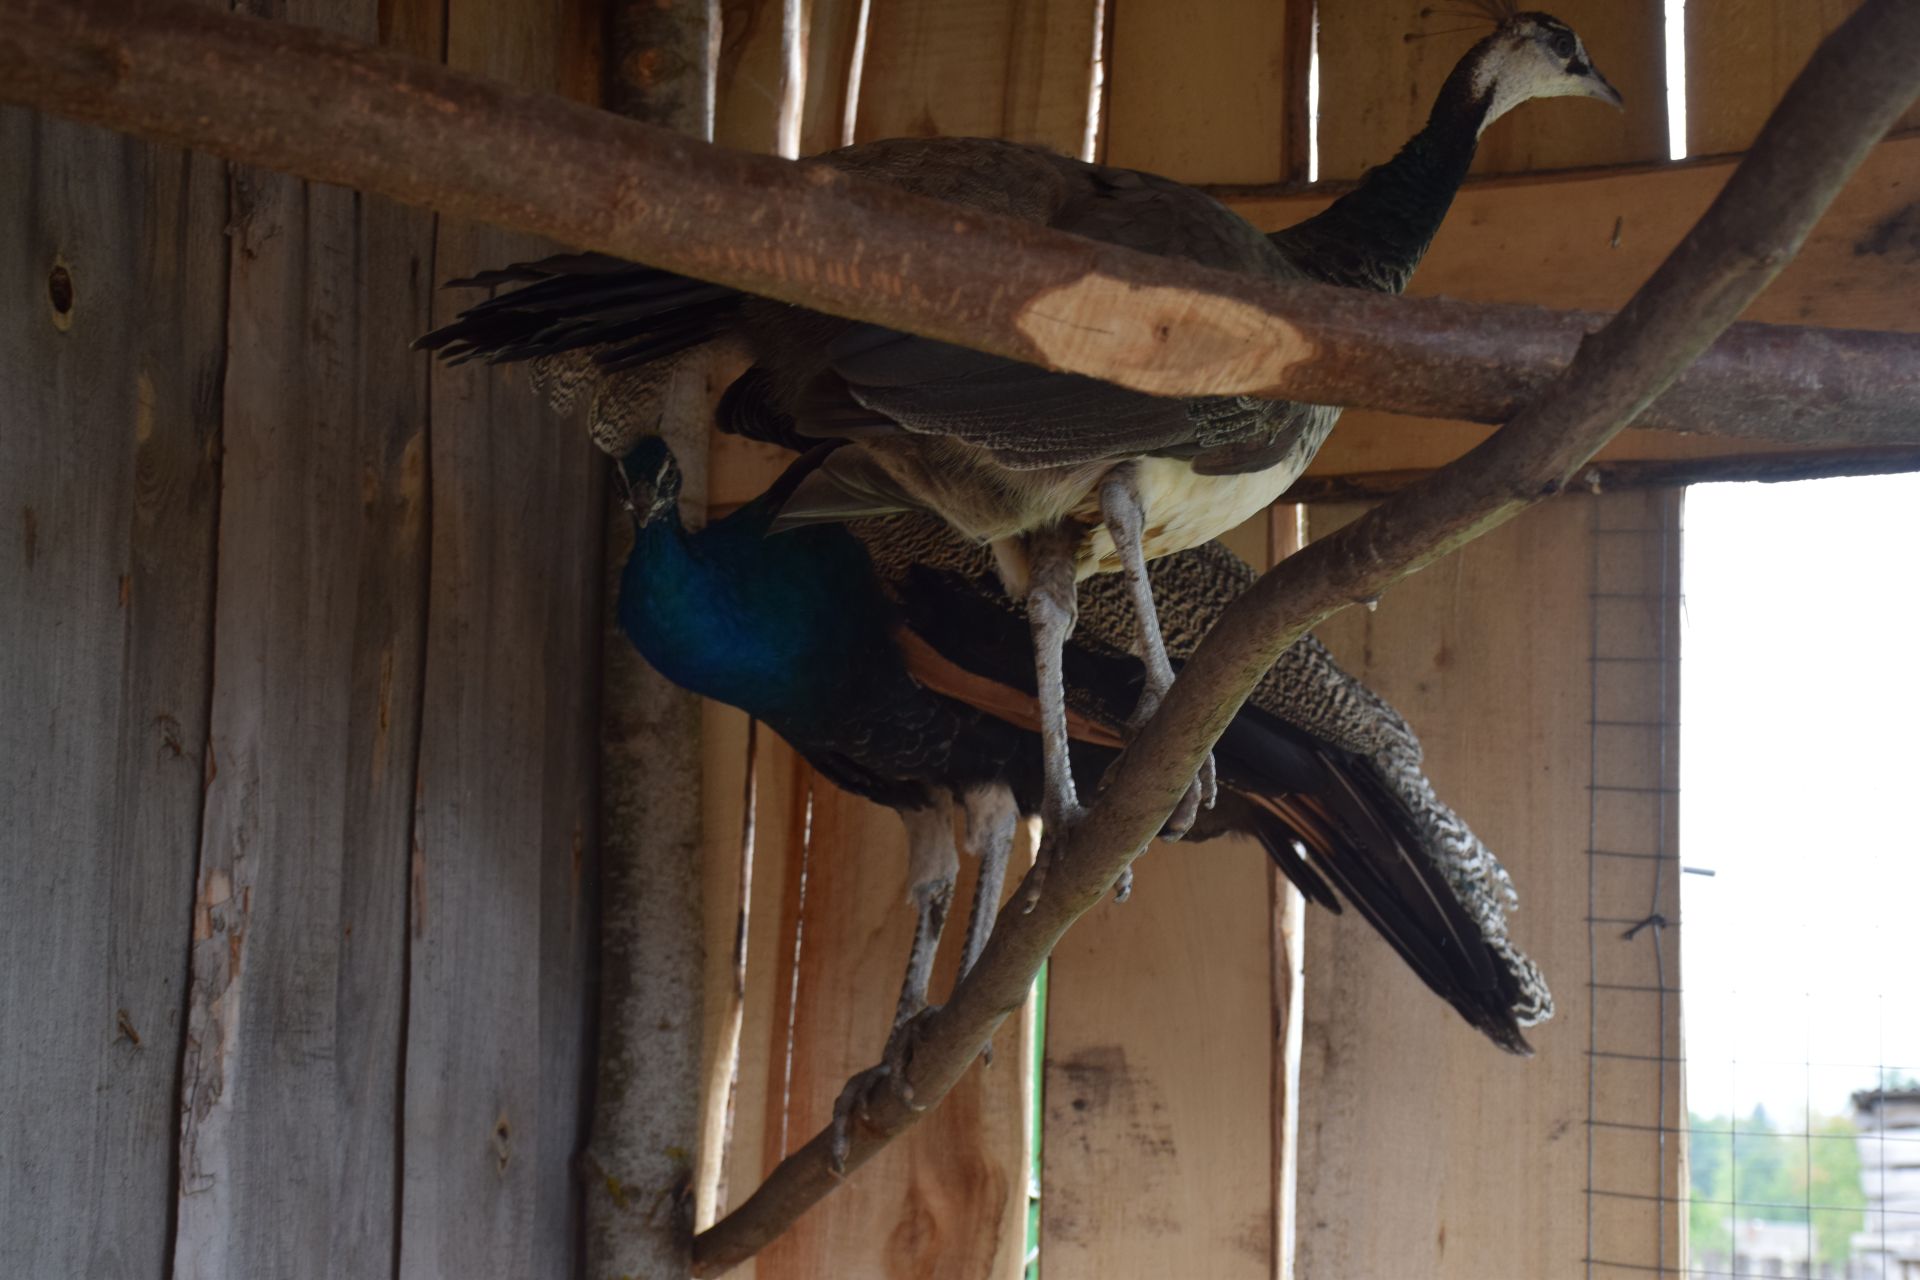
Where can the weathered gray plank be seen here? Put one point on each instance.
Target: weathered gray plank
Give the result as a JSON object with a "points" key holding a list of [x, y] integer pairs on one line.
{"points": [[506, 809], [288, 1152], [109, 420], [505, 828]]}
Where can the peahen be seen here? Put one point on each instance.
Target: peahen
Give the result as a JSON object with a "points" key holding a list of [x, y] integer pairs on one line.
{"points": [[888, 654], [1062, 476]]}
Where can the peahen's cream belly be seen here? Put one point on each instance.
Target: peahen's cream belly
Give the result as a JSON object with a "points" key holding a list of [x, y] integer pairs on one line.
{"points": [[1184, 509]]}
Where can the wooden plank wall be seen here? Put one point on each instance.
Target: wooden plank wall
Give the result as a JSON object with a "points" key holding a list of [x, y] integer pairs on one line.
{"points": [[112, 338], [507, 808], [987, 68], [1422, 1153], [296, 1015], [1208, 93], [1741, 56], [302, 647]]}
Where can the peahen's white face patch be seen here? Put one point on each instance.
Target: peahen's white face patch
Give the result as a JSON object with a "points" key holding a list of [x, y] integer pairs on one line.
{"points": [[1535, 58]]}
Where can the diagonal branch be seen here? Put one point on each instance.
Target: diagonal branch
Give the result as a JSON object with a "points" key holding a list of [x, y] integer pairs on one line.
{"points": [[330, 108], [1852, 91]]}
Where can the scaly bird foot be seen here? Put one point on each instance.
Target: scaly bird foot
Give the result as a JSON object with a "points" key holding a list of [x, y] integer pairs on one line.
{"points": [[857, 1096], [1201, 793], [1057, 821]]}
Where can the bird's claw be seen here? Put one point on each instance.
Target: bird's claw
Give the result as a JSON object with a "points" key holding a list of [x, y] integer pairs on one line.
{"points": [[1201, 793], [857, 1095], [1056, 824]]}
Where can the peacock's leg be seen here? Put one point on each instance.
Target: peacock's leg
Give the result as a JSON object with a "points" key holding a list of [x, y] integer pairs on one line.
{"points": [[1120, 505], [932, 865], [1051, 612], [991, 818]]}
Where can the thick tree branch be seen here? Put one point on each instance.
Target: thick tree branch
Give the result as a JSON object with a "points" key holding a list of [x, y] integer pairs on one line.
{"points": [[638, 1202], [329, 108], [1641, 473], [1852, 91]]}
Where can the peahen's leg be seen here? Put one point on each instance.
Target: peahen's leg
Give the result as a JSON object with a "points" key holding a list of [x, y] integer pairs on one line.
{"points": [[1120, 505], [1051, 611]]}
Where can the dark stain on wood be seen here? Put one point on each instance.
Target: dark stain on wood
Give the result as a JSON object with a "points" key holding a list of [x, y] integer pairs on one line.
{"points": [[60, 295], [1101, 1081], [1896, 236]]}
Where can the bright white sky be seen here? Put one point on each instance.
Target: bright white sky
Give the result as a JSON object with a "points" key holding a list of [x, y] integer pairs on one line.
{"points": [[1800, 771]]}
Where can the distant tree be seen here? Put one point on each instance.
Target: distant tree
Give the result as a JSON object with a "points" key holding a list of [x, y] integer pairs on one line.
{"points": [[1749, 1169], [1834, 1188], [1710, 1169]]}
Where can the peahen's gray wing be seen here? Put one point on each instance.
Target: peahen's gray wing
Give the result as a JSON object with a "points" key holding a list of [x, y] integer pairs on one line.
{"points": [[875, 379], [588, 316]]}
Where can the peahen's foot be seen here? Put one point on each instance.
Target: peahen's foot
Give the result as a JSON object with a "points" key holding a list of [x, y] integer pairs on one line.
{"points": [[1201, 793], [1057, 821]]}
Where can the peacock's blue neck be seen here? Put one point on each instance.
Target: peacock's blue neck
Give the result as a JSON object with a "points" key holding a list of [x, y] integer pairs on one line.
{"points": [[786, 627]]}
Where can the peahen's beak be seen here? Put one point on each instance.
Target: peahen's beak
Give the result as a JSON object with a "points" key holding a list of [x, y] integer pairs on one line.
{"points": [[1598, 86]]}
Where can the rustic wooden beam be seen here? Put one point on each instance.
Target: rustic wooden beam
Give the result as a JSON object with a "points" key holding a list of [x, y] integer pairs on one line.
{"points": [[334, 109], [1848, 96], [645, 1133], [1640, 473]]}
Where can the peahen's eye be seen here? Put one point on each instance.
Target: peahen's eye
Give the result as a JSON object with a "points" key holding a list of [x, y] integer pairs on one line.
{"points": [[1560, 43]]}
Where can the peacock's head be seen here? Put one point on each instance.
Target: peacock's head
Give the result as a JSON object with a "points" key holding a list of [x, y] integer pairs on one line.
{"points": [[1528, 56], [649, 480]]}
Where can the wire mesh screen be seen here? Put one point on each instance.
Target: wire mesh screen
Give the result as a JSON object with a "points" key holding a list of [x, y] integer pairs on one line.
{"points": [[1634, 1093], [1802, 987]]}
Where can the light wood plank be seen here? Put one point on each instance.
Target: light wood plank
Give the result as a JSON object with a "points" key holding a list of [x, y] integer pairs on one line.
{"points": [[1589, 240], [1203, 93], [1286, 534], [831, 30], [1160, 1052], [1377, 86], [752, 88], [111, 343], [506, 824], [1422, 1147], [1159, 1088], [990, 68], [1741, 56], [948, 1200], [753, 1138]]}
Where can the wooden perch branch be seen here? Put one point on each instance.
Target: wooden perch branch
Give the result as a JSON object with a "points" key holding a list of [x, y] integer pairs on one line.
{"points": [[1852, 91], [1640, 473], [332, 109]]}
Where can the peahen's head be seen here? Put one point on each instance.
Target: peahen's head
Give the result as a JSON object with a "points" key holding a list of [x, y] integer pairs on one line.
{"points": [[649, 480], [1528, 56]]}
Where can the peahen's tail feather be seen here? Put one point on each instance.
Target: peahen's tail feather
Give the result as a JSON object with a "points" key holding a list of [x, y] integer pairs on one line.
{"points": [[628, 314]]}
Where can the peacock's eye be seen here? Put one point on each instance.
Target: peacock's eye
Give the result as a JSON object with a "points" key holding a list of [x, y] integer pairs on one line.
{"points": [[1560, 43]]}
